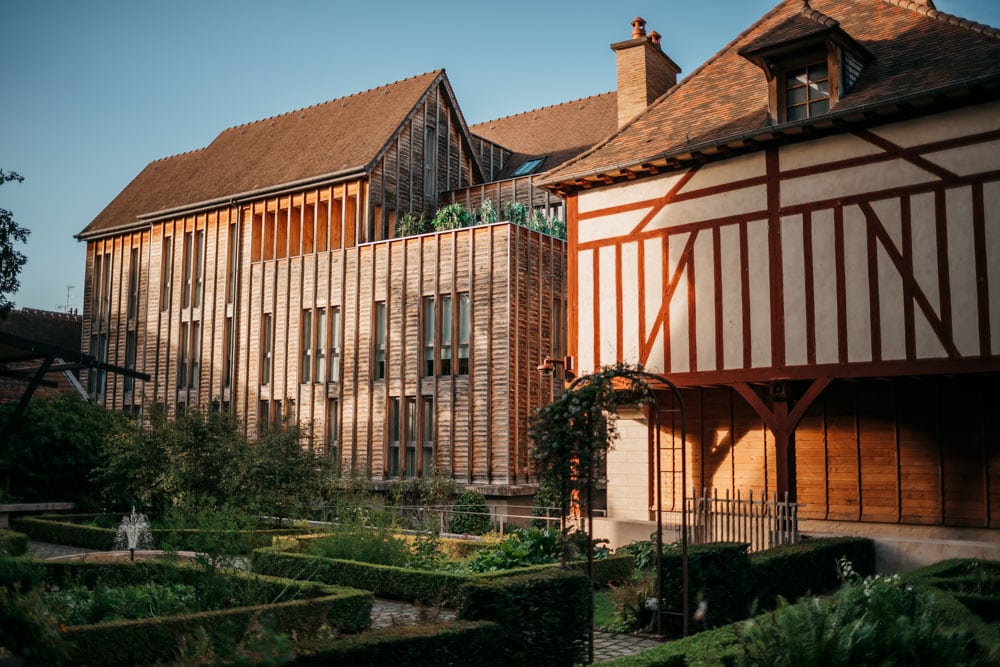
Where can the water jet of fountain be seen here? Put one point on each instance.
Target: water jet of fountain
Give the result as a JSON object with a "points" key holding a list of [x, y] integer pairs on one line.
{"points": [[133, 532]]}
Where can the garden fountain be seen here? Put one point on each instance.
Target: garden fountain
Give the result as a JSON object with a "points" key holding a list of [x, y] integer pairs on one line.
{"points": [[133, 533]]}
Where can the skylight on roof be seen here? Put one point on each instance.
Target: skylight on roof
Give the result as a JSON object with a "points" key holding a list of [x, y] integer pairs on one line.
{"points": [[529, 166]]}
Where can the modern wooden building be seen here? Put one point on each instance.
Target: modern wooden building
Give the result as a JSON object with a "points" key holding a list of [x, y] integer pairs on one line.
{"points": [[263, 274], [804, 234]]}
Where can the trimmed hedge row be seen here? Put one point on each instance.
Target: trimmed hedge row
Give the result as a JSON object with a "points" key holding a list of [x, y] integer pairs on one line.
{"points": [[152, 640], [426, 645], [66, 529], [808, 567], [403, 583], [13, 543]]}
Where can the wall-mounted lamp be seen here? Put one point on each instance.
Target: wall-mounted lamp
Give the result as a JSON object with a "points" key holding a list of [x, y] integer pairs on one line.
{"points": [[548, 366]]}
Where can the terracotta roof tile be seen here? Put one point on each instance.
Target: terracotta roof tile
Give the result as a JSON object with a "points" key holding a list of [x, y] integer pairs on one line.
{"points": [[558, 132], [343, 134], [914, 49]]}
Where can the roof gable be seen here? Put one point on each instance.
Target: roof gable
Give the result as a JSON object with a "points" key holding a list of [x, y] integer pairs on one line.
{"points": [[726, 99], [341, 136], [556, 133]]}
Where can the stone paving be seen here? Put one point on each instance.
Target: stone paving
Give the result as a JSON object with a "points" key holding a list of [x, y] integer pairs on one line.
{"points": [[389, 613]]}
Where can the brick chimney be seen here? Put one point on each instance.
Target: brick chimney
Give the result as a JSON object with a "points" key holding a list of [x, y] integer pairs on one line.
{"points": [[644, 71]]}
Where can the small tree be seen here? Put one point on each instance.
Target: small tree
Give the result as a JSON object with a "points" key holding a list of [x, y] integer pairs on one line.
{"points": [[11, 260], [470, 515]]}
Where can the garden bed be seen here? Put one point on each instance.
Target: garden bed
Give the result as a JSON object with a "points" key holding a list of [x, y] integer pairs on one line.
{"points": [[137, 613]]}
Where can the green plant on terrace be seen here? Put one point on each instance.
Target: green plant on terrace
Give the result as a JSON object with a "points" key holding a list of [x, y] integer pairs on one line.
{"points": [[487, 212], [515, 212], [410, 224], [452, 216]]}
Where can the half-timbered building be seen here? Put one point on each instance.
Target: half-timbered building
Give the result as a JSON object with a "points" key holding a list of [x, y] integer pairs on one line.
{"points": [[264, 274], [804, 234]]}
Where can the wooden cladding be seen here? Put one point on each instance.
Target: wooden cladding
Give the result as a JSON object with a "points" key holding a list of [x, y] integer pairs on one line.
{"points": [[902, 450], [303, 224]]}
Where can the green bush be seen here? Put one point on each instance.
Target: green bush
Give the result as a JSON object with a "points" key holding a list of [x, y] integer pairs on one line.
{"points": [[426, 645], [808, 567], [545, 616], [452, 216], [520, 548], [718, 584], [368, 546], [13, 543], [470, 515]]}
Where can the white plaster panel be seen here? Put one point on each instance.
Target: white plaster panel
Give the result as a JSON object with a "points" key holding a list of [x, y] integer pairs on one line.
{"points": [[927, 342], [961, 122], [652, 188], [608, 302], [704, 301], [725, 204], [859, 343], [732, 297], [679, 337], [823, 151], [991, 201], [630, 303], [969, 159], [727, 171], [890, 303], [609, 226], [793, 280], [825, 287], [852, 181], [760, 294], [585, 296], [654, 362], [923, 233], [962, 271], [655, 281]]}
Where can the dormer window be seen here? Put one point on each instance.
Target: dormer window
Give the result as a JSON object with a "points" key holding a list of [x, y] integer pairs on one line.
{"points": [[809, 62], [807, 91], [529, 166]]}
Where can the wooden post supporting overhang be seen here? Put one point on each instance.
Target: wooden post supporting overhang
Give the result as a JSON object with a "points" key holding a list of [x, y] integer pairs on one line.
{"points": [[782, 421]]}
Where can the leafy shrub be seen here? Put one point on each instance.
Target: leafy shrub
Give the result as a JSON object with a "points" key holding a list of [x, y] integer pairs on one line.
{"points": [[520, 548], [487, 212], [410, 225], [452, 216], [516, 212], [644, 552], [367, 546], [808, 567], [80, 606], [470, 515]]}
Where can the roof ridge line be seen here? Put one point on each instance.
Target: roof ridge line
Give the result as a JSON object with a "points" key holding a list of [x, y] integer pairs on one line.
{"points": [[175, 155], [808, 12], [549, 106], [945, 17], [753, 26], [330, 101]]}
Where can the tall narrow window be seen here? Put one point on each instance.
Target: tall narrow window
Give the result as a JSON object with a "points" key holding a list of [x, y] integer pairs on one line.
{"points": [[229, 348], [380, 334], [335, 338], [266, 351], [263, 416], [166, 273], [305, 366], [427, 436], [430, 163], [199, 266], [394, 436], [106, 288], [333, 429], [428, 335], [464, 327], [130, 354], [133, 285], [410, 469], [445, 350], [322, 343], [184, 357], [231, 263], [187, 259], [98, 285], [195, 367], [96, 376]]}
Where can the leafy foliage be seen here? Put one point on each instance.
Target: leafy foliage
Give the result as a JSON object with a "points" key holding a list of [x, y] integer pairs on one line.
{"points": [[11, 260], [364, 545], [410, 225], [79, 605], [452, 216], [470, 515], [516, 212], [54, 450], [523, 547], [487, 212]]}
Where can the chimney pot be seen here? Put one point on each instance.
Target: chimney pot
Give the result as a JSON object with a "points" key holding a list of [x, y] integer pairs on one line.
{"points": [[638, 27], [654, 39]]}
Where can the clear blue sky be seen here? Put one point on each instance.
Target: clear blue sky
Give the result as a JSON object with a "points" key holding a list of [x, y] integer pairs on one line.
{"points": [[90, 92]]}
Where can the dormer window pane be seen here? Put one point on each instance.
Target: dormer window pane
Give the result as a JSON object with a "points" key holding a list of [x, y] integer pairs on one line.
{"points": [[807, 92], [529, 166]]}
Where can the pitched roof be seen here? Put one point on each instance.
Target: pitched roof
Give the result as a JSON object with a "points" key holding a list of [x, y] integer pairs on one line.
{"points": [[557, 133], [340, 136], [915, 50]]}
